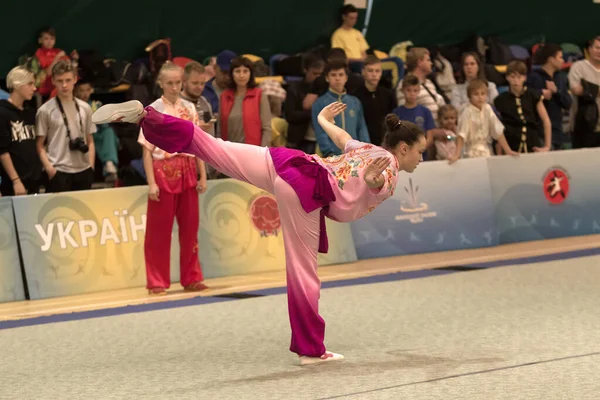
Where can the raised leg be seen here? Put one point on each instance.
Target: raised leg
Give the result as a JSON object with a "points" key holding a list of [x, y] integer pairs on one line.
{"points": [[244, 162]]}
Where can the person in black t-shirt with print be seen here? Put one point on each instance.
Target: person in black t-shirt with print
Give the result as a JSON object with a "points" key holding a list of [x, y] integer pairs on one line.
{"points": [[21, 166]]}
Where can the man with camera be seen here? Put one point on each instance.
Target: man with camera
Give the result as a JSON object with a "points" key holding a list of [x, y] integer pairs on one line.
{"points": [[64, 128]]}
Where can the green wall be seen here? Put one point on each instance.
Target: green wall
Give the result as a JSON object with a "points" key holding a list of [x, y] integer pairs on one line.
{"points": [[522, 22], [121, 29], [199, 28]]}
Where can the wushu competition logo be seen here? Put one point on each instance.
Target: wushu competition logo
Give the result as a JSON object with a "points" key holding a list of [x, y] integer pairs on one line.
{"points": [[264, 214], [556, 185], [415, 211]]}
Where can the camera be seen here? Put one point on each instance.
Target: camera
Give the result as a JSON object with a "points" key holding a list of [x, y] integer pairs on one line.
{"points": [[78, 144]]}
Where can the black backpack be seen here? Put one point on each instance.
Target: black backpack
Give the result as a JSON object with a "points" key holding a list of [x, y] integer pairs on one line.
{"points": [[91, 68], [498, 52]]}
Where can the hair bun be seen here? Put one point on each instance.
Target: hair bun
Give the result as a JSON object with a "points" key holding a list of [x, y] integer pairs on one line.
{"points": [[391, 121]]}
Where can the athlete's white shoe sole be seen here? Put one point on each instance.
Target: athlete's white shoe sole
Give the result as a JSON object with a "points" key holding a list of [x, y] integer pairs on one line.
{"points": [[327, 357], [130, 111]]}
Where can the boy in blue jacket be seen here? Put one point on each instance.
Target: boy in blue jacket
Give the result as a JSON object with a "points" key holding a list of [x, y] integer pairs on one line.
{"points": [[352, 120]]}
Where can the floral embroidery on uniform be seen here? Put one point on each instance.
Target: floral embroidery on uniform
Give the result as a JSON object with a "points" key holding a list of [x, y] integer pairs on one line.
{"points": [[347, 165]]}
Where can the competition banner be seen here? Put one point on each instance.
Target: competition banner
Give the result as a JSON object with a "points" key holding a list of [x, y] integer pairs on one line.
{"points": [[546, 195], [439, 207], [81, 242], [11, 279]]}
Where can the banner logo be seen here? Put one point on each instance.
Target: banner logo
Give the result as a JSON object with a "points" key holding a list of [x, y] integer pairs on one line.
{"points": [[265, 214], [556, 185], [415, 211]]}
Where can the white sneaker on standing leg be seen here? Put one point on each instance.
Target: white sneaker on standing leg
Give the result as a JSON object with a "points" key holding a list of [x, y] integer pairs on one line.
{"points": [[326, 357]]}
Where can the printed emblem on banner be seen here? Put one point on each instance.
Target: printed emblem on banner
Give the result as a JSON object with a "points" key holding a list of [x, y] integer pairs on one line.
{"points": [[414, 210], [556, 185], [265, 214]]}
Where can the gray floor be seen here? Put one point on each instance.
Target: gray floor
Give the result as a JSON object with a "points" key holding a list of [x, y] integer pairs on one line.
{"points": [[522, 332]]}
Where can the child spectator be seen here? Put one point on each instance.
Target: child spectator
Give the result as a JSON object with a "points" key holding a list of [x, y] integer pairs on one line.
{"points": [[64, 130], [553, 85], [478, 125], [377, 101], [21, 166], [298, 107], [416, 113], [411, 110], [521, 110], [351, 119], [471, 68], [48, 56], [444, 142], [418, 63]]}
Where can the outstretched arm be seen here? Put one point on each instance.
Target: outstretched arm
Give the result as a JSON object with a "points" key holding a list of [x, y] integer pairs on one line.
{"points": [[339, 136]]}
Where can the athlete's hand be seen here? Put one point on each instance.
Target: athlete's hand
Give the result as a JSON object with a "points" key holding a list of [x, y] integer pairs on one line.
{"points": [[332, 110], [373, 172]]}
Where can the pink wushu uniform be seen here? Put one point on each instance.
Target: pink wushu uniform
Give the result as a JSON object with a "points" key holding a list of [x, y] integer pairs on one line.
{"points": [[307, 189]]}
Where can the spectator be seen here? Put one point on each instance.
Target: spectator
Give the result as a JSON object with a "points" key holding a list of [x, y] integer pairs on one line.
{"points": [[298, 111], [554, 87], [351, 120], [245, 112], [413, 112], [4, 95], [173, 187], [478, 125], [21, 166], [48, 56], [444, 143], [209, 67], [471, 68], [106, 141], [215, 87], [377, 101], [64, 132], [418, 63], [521, 110], [194, 81], [584, 81], [349, 39], [353, 83], [270, 87]]}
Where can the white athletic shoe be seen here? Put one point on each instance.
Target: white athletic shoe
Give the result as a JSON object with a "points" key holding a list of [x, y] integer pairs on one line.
{"points": [[327, 357], [130, 111]]}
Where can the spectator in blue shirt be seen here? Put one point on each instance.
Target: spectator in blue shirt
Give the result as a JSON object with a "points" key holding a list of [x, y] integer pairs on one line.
{"points": [[417, 114]]}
